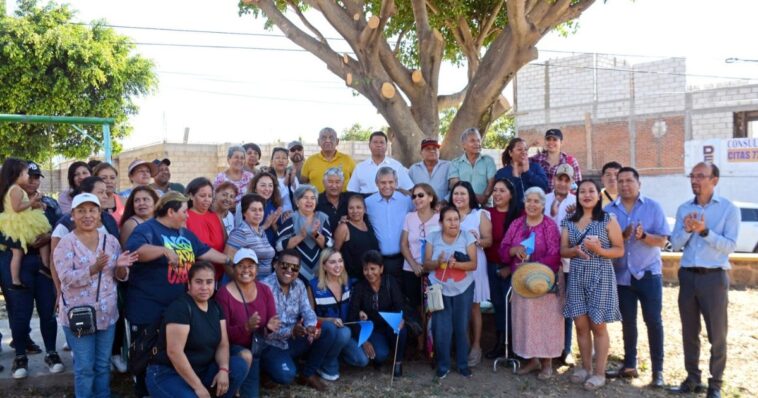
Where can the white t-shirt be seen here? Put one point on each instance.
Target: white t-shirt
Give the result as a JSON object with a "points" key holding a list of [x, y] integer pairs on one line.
{"points": [[363, 179], [568, 201], [416, 232]]}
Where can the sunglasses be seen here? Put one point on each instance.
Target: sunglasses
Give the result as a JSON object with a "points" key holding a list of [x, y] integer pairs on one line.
{"points": [[289, 266], [418, 195], [296, 149]]}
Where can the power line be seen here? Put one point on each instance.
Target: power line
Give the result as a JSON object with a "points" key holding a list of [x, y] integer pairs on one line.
{"points": [[214, 46], [202, 31], [266, 98]]}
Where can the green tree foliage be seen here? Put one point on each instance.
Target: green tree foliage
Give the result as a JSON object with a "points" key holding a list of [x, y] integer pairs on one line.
{"points": [[498, 134], [52, 66], [357, 132]]}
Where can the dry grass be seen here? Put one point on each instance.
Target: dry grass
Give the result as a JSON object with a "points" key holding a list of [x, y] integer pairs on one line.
{"points": [[419, 377]]}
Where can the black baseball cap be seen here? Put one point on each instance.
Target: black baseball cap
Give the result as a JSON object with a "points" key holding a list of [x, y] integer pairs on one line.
{"points": [[554, 133], [165, 161], [34, 170]]}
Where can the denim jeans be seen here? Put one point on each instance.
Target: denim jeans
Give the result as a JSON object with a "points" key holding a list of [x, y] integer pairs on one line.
{"points": [[354, 355], [280, 364], [164, 382], [251, 385], [383, 341], [92, 365], [452, 323], [568, 323], [649, 292], [345, 347], [21, 303]]}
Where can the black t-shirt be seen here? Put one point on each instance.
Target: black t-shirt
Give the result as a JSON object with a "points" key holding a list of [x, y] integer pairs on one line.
{"points": [[204, 335]]}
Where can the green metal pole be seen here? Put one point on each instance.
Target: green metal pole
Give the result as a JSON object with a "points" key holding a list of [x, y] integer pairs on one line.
{"points": [[107, 142], [4, 117]]}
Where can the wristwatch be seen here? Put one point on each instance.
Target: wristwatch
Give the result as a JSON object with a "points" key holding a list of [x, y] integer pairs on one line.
{"points": [[705, 232]]}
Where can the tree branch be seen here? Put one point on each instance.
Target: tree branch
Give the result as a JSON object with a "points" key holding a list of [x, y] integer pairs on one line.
{"points": [[451, 100], [306, 22], [517, 17], [563, 11], [486, 28], [400, 38]]}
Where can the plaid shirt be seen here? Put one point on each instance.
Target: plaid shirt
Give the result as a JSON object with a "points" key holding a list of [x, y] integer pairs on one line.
{"points": [[541, 159]]}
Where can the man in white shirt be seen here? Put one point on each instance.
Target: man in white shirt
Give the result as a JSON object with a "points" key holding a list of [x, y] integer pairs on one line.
{"points": [[363, 179], [558, 205]]}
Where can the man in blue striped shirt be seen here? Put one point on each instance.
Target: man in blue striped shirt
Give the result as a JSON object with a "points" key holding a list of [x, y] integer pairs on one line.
{"points": [[706, 227]]}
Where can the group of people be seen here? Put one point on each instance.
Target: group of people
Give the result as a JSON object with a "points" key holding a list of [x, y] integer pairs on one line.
{"points": [[263, 275]]}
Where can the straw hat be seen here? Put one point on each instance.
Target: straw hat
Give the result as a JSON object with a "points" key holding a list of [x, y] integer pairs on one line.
{"points": [[533, 280]]}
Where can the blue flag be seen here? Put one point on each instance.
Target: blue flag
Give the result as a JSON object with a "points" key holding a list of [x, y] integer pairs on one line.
{"points": [[528, 244], [393, 319], [367, 327]]}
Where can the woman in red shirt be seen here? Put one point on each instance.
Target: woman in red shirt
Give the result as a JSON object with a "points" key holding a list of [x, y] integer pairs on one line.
{"points": [[205, 224]]}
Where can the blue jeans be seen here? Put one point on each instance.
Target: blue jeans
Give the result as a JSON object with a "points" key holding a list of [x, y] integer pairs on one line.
{"points": [[383, 341], [344, 346], [649, 292], [21, 303], [92, 366], [251, 385], [280, 364], [568, 323], [164, 382], [452, 323], [353, 355]]}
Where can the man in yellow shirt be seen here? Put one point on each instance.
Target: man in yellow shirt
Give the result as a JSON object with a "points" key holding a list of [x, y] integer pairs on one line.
{"points": [[317, 164]]}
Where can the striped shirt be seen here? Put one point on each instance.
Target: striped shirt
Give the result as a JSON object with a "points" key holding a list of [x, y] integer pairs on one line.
{"points": [[244, 236]]}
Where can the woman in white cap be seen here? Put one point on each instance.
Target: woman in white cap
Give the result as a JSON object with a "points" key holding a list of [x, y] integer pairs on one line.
{"points": [[250, 312], [89, 262], [140, 172], [537, 322]]}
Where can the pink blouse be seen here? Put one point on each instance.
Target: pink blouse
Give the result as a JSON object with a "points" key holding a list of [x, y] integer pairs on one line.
{"points": [[72, 261], [547, 243], [242, 183]]}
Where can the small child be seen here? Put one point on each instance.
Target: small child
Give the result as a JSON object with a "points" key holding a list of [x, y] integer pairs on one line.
{"points": [[21, 218]]}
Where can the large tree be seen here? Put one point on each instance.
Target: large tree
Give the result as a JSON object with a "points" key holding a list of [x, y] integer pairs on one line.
{"points": [[398, 47], [50, 65]]}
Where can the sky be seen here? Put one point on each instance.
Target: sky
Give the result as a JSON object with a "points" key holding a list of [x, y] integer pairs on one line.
{"points": [[242, 95]]}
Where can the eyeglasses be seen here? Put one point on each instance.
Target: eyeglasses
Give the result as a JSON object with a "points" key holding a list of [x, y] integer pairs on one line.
{"points": [[418, 195], [296, 149], [289, 266], [698, 177]]}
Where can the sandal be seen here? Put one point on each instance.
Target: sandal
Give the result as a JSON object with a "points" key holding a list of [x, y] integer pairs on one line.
{"points": [[579, 376], [594, 382], [545, 374], [531, 366]]}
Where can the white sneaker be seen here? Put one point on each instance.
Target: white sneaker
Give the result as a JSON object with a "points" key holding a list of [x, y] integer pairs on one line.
{"points": [[327, 376], [53, 362], [119, 363], [20, 365]]}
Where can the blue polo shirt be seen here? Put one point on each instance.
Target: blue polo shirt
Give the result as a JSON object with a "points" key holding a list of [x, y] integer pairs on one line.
{"points": [[478, 175], [387, 217], [438, 179], [639, 257], [722, 218]]}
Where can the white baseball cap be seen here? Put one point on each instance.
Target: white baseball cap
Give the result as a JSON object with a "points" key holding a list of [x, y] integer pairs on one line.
{"points": [[84, 198], [243, 254]]}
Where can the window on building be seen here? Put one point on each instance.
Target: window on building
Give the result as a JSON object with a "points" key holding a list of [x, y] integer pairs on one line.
{"points": [[746, 124], [749, 215]]}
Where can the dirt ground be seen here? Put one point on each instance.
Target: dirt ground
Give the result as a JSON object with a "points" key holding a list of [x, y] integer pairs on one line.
{"points": [[419, 380]]}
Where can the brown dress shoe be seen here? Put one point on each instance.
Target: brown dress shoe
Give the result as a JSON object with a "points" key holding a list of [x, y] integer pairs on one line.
{"points": [[312, 381]]}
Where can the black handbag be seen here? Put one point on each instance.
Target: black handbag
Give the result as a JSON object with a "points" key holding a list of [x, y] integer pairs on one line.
{"points": [[82, 319], [258, 344]]}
